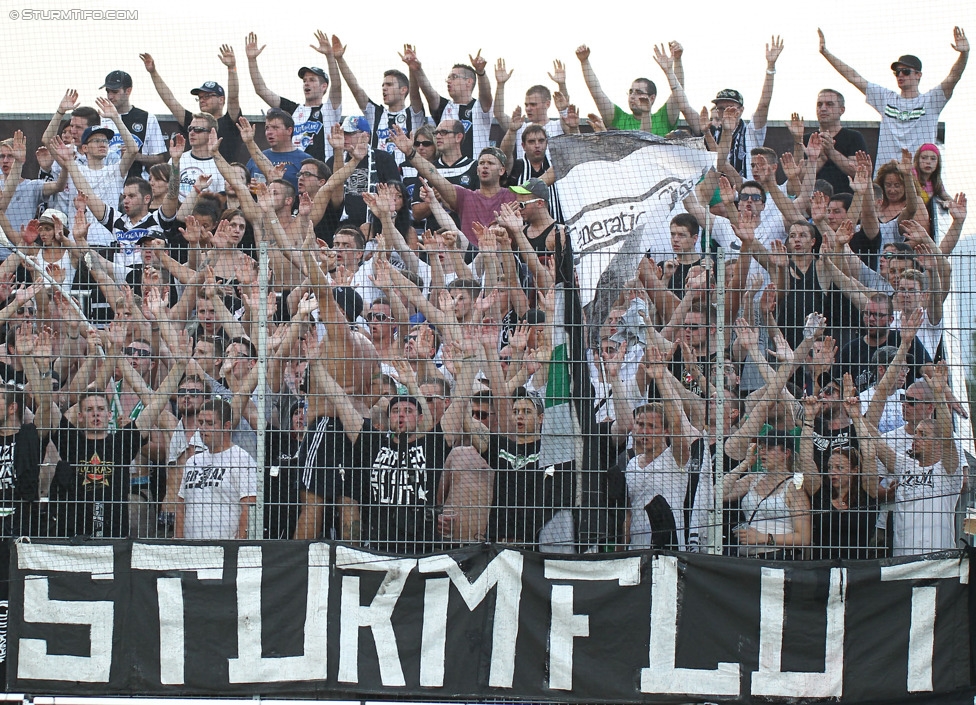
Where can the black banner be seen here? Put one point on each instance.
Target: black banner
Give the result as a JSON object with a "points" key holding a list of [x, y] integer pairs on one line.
{"points": [[319, 619]]}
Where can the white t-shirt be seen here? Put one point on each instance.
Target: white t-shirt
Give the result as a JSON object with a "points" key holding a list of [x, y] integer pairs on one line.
{"points": [[662, 476], [212, 488], [891, 417], [929, 335], [191, 168], [924, 511], [106, 183], [905, 122]]}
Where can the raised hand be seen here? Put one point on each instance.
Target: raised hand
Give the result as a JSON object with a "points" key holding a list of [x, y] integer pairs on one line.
{"points": [[582, 52], [663, 59], [572, 118], [957, 207], [409, 57], [148, 62], [596, 122], [401, 139], [560, 100], [818, 206], [338, 48], [811, 407], [747, 334], [177, 146], [960, 43], [107, 109], [517, 119], [905, 166], [251, 46], [69, 102], [796, 127], [501, 75], [814, 146], [226, 56], [478, 62], [823, 43], [676, 50], [19, 147], [324, 45], [558, 75], [246, 129], [774, 49]]}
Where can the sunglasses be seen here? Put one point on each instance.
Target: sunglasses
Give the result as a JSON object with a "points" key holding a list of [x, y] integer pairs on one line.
{"points": [[423, 143], [191, 392], [378, 317], [903, 72], [137, 352], [197, 129], [480, 414], [757, 197], [523, 204]]}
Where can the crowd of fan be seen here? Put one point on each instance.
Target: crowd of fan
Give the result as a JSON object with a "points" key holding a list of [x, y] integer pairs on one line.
{"points": [[408, 317]]}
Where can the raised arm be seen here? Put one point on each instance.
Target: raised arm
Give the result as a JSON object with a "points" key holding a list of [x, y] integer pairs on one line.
{"points": [[480, 66], [910, 323], [957, 211], [419, 83], [960, 44], [501, 78], [603, 104], [324, 47], [68, 103], [773, 50], [358, 94], [938, 379], [163, 90], [252, 51], [131, 149], [849, 74], [233, 103], [678, 100]]}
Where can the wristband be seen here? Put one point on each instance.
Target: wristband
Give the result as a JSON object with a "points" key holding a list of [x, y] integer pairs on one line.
{"points": [[564, 113], [410, 156], [770, 72], [480, 74]]}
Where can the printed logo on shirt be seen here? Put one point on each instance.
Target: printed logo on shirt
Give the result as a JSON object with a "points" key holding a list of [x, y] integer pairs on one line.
{"points": [[128, 239], [305, 133], [96, 473], [199, 478], [467, 125], [6, 467], [115, 144], [188, 177], [904, 115], [391, 483]]}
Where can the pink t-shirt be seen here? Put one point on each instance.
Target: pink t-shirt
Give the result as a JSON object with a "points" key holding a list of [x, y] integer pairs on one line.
{"points": [[472, 206]]}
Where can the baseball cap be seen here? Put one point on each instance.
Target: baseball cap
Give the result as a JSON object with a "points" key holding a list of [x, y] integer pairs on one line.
{"points": [[52, 214], [908, 60], [116, 80], [312, 69], [355, 123], [210, 87], [91, 131], [404, 398], [729, 94], [532, 187], [349, 301]]}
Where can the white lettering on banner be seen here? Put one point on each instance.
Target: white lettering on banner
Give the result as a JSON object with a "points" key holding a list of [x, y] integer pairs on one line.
{"points": [[33, 660], [378, 615], [566, 624], [504, 572], [921, 631], [250, 666], [771, 679], [663, 676], [208, 564]]}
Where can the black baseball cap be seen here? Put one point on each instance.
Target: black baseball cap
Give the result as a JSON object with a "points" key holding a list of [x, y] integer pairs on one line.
{"points": [[116, 80], [909, 61], [313, 69], [210, 87]]}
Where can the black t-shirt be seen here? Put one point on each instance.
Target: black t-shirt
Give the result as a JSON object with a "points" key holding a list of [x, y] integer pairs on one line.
{"points": [[384, 169], [855, 358], [403, 479], [848, 142], [20, 463], [826, 440], [526, 496], [91, 485], [867, 249], [283, 466], [332, 466], [843, 533]]}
